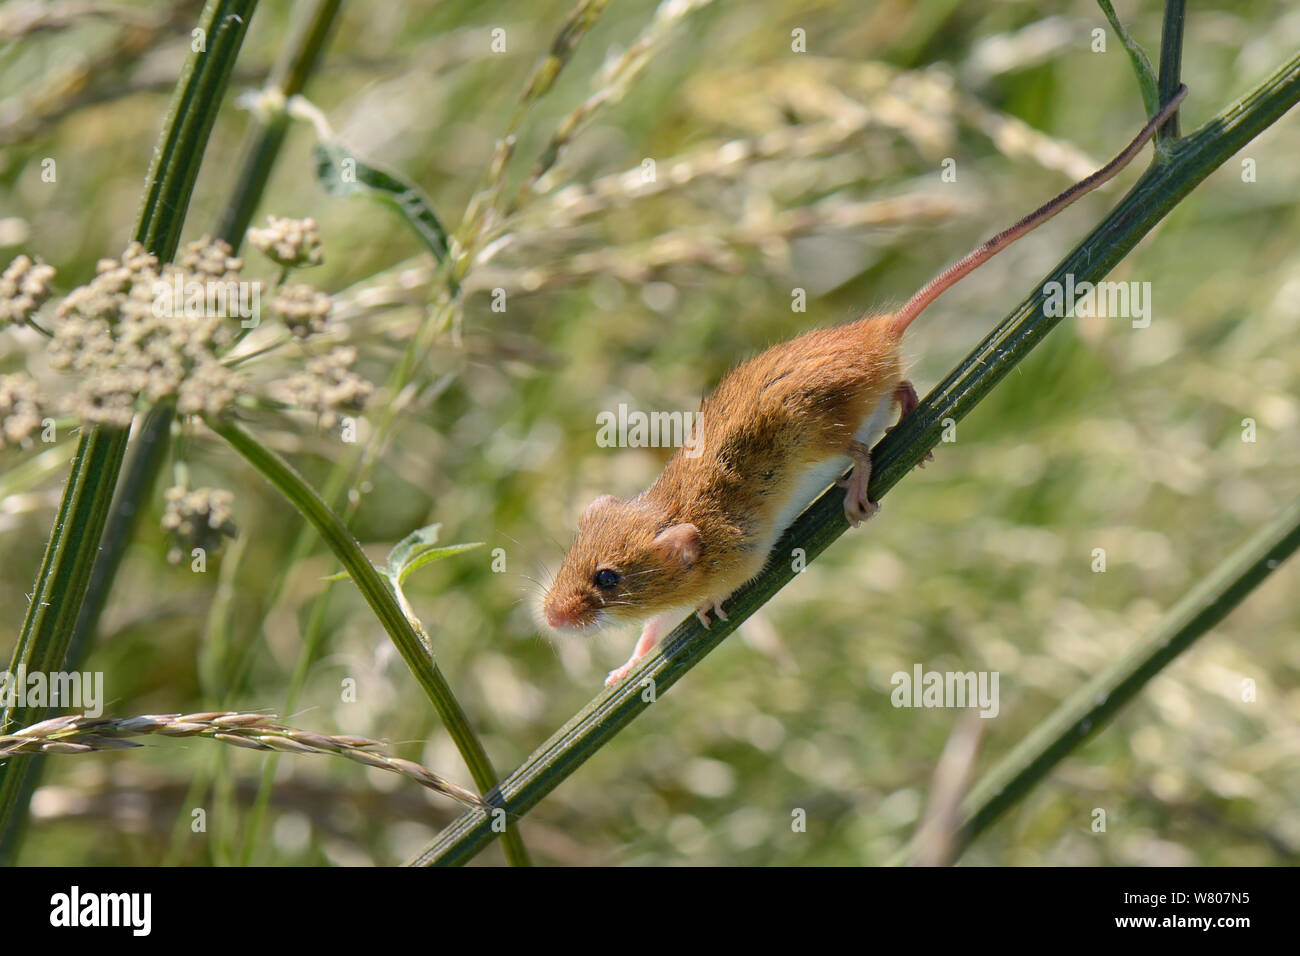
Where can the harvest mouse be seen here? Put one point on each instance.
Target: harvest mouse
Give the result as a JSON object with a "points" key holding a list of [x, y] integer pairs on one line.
{"points": [[777, 430]]}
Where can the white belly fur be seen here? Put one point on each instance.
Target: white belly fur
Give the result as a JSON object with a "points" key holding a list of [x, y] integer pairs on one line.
{"points": [[818, 477]]}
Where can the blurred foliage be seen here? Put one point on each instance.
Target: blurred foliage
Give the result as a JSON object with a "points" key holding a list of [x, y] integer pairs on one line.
{"points": [[1108, 437]]}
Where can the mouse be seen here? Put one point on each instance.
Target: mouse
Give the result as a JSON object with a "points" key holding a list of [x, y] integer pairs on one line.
{"points": [[775, 433]]}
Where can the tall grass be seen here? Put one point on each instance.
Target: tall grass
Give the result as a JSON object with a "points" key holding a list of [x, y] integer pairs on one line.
{"points": [[463, 429]]}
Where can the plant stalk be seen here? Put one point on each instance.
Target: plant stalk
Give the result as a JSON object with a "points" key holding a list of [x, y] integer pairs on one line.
{"points": [[378, 595], [64, 577]]}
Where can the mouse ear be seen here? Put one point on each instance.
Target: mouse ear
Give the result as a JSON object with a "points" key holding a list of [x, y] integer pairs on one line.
{"points": [[680, 543], [603, 501]]}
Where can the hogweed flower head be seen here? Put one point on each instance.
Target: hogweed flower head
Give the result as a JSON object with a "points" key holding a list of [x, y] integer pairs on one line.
{"points": [[24, 288], [20, 409], [303, 309], [211, 259], [328, 387], [141, 332], [293, 243], [197, 519]]}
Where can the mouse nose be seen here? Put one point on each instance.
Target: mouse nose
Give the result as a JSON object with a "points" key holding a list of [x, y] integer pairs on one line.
{"points": [[558, 613]]}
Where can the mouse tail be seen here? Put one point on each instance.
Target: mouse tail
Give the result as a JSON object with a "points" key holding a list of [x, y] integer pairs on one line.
{"points": [[972, 261]]}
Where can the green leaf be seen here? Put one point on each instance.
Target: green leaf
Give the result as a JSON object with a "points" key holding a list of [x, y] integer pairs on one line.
{"points": [[1141, 65], [417, 549], [417, 540], [434, 554], [412, 553], [341, 173]]}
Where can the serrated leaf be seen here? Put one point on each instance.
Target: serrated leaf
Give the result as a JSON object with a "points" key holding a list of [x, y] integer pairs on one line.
{"points": [[341, 173]]}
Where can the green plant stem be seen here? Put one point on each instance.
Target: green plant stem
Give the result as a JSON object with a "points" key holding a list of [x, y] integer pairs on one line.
{"points": [[289, 75], [296, 63], [64, 576], [1093, 705], [148, 452], [359, 461], [1176, 171], [189, 122], [1171, 62], [286, 81], [380, 598]]}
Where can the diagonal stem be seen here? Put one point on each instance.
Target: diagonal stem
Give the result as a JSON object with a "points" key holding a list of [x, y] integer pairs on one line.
{"points": [[1088, 710], [378, 595], [1178, 169]]}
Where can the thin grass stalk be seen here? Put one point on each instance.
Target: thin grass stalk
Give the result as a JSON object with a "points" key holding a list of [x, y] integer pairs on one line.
{"points": [[64, 576], [613, 82], [486, 201], [1177, 169]]}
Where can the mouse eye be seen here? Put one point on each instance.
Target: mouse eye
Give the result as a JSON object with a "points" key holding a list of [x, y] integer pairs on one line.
{"points": [[606, 578]]}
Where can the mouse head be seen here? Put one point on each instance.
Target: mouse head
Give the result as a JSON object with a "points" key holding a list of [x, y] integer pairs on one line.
{"points": [[627, 562]]}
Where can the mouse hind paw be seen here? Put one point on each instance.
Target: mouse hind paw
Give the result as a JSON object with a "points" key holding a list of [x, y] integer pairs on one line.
{"points": [[858, 507], [702, 612], [906, 398]]}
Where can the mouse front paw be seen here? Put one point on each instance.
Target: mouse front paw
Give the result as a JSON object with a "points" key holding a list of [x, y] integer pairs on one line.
{"points": [[617, 674]]}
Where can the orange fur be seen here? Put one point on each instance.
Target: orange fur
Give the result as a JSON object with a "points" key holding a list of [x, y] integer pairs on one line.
{"points": [[766, 437], [769, 420]]}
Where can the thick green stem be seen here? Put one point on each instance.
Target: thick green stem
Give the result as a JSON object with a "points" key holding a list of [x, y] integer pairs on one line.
{"points": [[65, 573], [377, 594], [1093, 705], [1179, 168]]}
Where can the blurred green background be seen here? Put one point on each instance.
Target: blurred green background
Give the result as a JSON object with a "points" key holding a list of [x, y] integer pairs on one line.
{"points": [[1108, 437]]}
